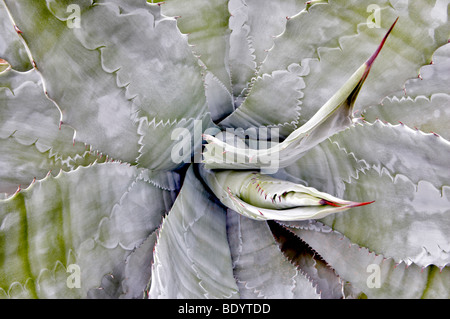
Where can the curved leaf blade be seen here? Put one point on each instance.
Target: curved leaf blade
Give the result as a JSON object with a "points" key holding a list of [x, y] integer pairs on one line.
{"points": [[192, 257], [375, 275], [332, 117], [71, 219], [11, 47], [259, 266], [262, 197]]}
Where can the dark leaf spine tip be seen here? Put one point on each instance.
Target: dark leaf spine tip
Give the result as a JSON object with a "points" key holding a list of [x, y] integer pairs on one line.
{"points": [[375, 54], [17, 29], [361, 204]]}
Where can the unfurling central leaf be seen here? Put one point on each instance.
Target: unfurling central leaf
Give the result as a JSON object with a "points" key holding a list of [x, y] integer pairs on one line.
{"points": [[263, 197], [334, 116]]}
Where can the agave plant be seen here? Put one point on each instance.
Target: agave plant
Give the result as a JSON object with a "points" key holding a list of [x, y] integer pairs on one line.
{"points": [[224, 149]]}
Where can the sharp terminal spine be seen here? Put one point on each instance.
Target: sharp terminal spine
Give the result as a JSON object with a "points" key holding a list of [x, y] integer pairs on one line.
{"points": [[17, 29]]}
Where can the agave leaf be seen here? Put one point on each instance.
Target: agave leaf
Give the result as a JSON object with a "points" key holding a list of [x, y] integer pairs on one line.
{"points": [[242, 59], [157, 77], [395, 280], [30, 116], [423, 103], [408, 222], [426, 114], [260, 268], [162, 108], [266, 20], [343, 157], [220, 100], [138, 269], [325, 166], [333, 116], [262, 197], [12, 49], [22, 163], [74, 219], [438, 279], [88, 97], [32, 143], [404, 178], [272, 101], [317, 25], [254, 25], [433, 77], [206, 23], [399, 149], [323, 277], [421, 29], [120, 90], [167, 146], [192, 258], [129, 279]]}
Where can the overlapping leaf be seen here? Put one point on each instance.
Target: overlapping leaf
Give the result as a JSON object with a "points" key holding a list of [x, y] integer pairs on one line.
{"points": [[126, 78], [92, 217], [32, 142], [424, 102], [262, 197], [12, 49], [332, 117], [181, 269], [260, 268], [375, 275], [95, 80]]}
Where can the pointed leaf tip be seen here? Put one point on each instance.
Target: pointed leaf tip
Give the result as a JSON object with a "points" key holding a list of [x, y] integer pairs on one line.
{"points": [[271, 198], [370, 61], [356, 204]]}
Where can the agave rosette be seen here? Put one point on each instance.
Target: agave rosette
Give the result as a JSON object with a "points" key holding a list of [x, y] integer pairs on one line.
{"points": [[97, 96]]}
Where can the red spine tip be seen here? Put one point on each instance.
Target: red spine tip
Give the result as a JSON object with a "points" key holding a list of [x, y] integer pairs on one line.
{"points": [[374, 56], [361, 204], [17, 29]]}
